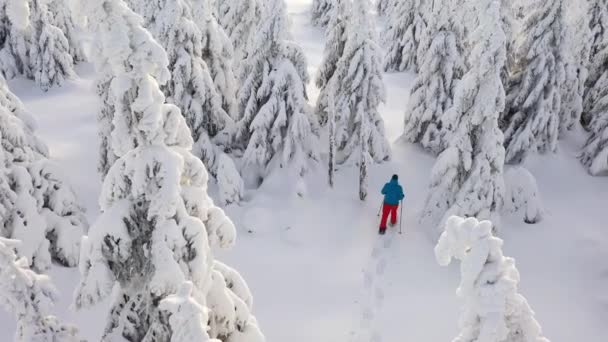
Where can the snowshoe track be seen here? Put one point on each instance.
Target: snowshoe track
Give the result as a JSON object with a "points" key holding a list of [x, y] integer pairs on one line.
{"points": [[372, 298]]}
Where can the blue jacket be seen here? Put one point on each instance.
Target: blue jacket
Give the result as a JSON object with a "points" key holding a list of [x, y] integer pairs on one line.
{"points": [[393, 192]]}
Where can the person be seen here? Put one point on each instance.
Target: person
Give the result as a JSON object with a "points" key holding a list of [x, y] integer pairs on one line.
{"points": [[393, 194]]}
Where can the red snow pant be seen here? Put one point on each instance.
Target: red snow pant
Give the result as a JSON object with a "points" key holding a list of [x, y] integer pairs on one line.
{"points": [[386, 210]]}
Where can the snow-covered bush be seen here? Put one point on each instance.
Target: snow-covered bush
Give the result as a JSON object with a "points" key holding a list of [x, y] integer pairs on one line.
{"points": [[29, 297], [531, 120], [229, 181], [37, 49], [278, 129], [39, 208], [522, 195], [494, 311], [404, 33], [321, 12], [467, 178], [158, 225], [335, 41], [358, 90], [239, 19], [433, 91]]}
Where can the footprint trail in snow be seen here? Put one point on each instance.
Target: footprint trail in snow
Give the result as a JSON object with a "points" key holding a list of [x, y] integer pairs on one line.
{"points": [[372, 298]]}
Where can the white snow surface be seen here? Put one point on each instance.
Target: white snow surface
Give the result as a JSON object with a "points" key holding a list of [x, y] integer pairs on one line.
{"points": [[317, 268]]}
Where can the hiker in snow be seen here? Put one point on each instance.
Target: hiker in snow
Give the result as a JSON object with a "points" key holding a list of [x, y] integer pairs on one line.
{"points": [[393, 194]]}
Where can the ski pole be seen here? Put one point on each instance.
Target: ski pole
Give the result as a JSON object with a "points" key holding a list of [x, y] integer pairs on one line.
{"points": [[401, 218], [380, 210]]}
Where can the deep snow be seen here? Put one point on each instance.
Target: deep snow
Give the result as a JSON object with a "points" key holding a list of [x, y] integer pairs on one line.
{"points": [[316, 266]]}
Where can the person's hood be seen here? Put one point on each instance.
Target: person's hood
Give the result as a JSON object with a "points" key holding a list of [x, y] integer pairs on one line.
{"points": [[394, 181]]}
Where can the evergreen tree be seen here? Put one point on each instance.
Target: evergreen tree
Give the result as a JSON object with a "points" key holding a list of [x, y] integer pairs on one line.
{"points": [[218, 54], [433, 90], [29, 296], [403, 35], [493, 310], [63, 18], [575, 56], [191, 86], [321, 12], [595, 151], [598, 17], [336, 35], [277, 129], [383, 7], [467, 179], [359, 91], [34, 47], [239, 19], [36, 205], [531, 121], [158, 225]]}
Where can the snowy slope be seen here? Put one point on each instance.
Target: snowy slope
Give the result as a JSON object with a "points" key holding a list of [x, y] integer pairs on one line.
{"points": [[316, 266]]}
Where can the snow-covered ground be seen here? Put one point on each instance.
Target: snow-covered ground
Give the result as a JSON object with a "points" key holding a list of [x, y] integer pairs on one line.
{"points": [[316, 266]]}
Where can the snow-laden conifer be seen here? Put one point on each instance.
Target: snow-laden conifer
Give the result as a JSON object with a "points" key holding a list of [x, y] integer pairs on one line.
{"points": [[29, 297], [321, 12], [531, 120], [229, 181], [575, 56], [403, 34], [494, 311], [37, 49], [467, 178], [158, 225], [277, 129], [522, 196], [63, 17], [239, 19], [360, 137], [37, 206], [384, 7], [598, 23], [595, 151], [433, 90], [191, 85], [336, 35], [218, 54]]}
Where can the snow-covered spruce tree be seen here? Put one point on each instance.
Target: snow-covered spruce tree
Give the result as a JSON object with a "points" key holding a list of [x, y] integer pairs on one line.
{"points": [[531, 120], [191, 86], [433, 90], [493, 309], [29, 297], [63, 17], [403, 34], [598, 17], [383, 7], [575, 56], [321, 12], [39, 208], [359, 91], [335, 41], [218, 54], [158, 224], [239, 19], [277, 125], [595, 152], [38, 50], [467, 179]]}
